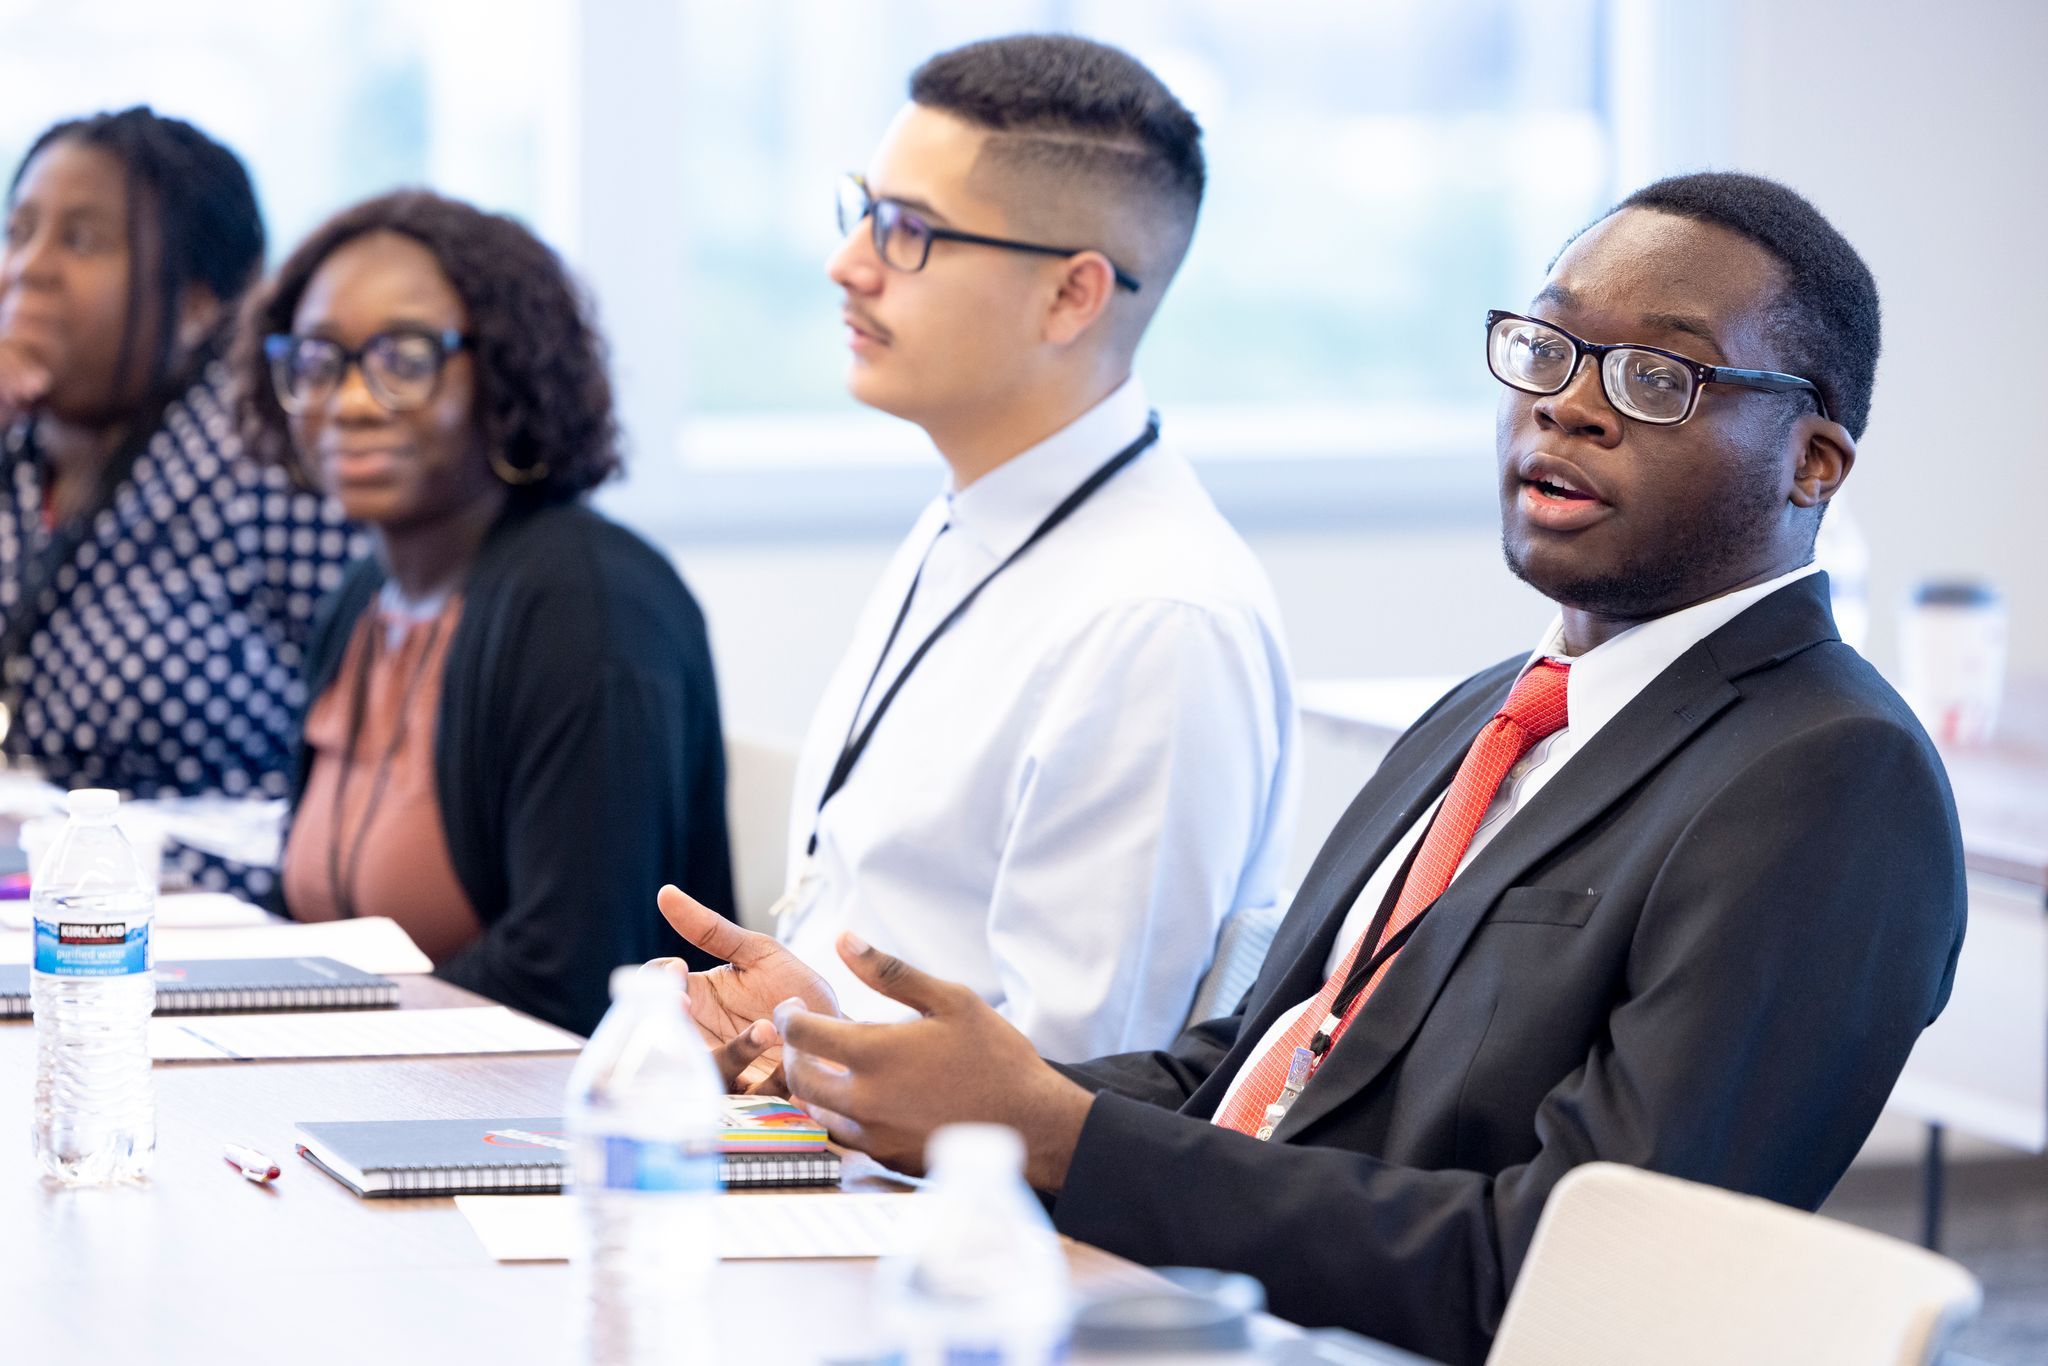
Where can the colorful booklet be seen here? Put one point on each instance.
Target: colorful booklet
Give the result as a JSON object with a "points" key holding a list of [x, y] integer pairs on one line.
{"points": [[764, 1144], [762, 1124], [212, 986]]}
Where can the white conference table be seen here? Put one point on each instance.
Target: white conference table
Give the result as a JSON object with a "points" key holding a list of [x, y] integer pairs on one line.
{"points": [[198, 1267]]}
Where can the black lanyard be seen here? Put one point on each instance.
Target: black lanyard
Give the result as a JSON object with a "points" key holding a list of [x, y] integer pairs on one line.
{"points": [[1362, 971], [856, 745]]}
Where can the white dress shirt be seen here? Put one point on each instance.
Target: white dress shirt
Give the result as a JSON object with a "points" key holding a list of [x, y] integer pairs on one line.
{"points": [[1086, 774], [1602, 681]]}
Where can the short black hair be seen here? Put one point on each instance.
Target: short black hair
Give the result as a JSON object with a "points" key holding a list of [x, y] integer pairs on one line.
{"points": [[198, 195], [1074, 105], [1827, 314], [542, 395]]}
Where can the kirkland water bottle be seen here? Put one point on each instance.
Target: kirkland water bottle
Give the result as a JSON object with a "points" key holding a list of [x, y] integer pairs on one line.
{"points": [[981, 1276], [643, 1117], [90, 985]]}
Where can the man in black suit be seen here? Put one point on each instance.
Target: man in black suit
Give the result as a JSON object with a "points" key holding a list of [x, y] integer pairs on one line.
{"points": [[1686, 909]]}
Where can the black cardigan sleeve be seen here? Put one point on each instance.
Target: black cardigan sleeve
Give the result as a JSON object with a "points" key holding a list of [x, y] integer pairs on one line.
{"points": [[580, 763]]}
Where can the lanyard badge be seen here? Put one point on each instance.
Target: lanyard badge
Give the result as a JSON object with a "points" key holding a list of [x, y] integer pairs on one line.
{"points": [[802, 889], [1299, 1068]]}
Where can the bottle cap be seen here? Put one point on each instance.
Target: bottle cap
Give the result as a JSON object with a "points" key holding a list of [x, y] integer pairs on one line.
{"points": [[1204, 1311], [976, 1147], [636, 978], [91, 801]]}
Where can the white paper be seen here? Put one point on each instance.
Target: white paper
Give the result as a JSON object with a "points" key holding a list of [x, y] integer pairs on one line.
{"points": [[775, 1226], [354, 1034], [208, 911], [24, 795], [243, 830], [821, 1224]]}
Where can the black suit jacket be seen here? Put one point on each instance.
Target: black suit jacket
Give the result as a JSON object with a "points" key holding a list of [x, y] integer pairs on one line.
{"points": [[1704, 948]]}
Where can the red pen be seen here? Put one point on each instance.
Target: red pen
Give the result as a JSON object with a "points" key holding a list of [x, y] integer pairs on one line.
{"points": [[250, 1163]]}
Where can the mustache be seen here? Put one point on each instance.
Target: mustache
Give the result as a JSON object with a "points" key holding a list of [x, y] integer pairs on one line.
{"points": [[864, 321]]}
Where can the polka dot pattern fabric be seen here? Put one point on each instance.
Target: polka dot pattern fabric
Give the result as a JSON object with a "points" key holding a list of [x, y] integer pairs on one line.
{"points": [[168, 657]]}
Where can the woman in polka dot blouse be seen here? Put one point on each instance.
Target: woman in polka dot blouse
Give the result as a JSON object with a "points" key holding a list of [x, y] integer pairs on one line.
{"points": [[514, 738], [157, 587]]}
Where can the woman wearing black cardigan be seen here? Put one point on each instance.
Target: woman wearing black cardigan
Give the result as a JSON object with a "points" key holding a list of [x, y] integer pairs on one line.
{"points": [[514, 735]]}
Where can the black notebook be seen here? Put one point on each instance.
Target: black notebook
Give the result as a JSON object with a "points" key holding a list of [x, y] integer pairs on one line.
{"points": [[503, 1157], [212, 986]]}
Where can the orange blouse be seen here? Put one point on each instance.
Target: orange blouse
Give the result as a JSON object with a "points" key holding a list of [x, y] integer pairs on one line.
{"points": [[368, 838]]}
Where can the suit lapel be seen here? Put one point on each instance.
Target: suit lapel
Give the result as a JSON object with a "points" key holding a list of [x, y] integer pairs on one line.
{"points": [[1668, 712], [1361, 841]]}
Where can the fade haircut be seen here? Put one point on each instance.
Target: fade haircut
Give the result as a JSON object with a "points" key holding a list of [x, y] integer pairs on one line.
{"points": [[1071, 111], [1826, 315]]}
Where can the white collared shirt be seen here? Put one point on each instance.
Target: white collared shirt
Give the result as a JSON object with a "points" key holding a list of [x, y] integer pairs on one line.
{"points": [[1602, 681], [1084, 776]]}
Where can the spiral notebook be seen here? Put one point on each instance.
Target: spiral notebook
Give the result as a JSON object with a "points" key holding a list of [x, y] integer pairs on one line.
{"points": [[504, 1156], [211, 986]]}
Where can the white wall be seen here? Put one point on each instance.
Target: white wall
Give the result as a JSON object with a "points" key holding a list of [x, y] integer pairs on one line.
{"points": [[1922, 131]]}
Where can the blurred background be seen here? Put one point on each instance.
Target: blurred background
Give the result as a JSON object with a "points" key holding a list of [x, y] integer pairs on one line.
{"points": [[1380, 175]]}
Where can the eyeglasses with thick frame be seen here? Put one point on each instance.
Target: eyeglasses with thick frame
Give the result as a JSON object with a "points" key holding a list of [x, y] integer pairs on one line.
{"points": [[401, 366], [895, 222], [1611, 359]]}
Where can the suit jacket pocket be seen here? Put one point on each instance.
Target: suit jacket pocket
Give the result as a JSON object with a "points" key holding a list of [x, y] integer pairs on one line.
{"points": [[1543, 906]]}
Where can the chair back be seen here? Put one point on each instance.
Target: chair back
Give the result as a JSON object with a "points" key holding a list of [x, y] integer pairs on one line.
{"points": [[759, 775], [1630, 1266], [1240, 952]]}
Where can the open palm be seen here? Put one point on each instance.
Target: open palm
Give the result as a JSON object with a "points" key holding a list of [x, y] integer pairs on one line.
{"points": [[758, 975]]}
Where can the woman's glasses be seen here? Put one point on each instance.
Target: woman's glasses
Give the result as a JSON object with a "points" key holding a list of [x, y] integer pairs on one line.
{"points": [[401, 365]]}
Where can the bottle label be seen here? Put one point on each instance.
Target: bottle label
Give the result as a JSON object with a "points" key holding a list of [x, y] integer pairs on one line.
{"points": [[85, 948], [639, 1164]]}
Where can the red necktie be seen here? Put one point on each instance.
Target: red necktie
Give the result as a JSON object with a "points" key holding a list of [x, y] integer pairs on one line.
{"points": [[1535, 708]]}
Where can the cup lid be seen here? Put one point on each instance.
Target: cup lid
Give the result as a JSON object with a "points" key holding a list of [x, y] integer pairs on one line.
{"points": [[1956, 593]]}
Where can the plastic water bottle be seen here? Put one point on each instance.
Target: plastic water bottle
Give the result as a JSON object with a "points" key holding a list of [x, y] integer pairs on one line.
{"points": [[644, 1118], [980, 1277], [92, 992]]}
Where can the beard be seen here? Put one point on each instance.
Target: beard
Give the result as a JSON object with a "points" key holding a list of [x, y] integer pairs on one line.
{"points": [[1695, 559]]}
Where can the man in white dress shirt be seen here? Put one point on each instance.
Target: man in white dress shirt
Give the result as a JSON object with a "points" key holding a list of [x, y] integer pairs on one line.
{"points": [[1090, 767]]}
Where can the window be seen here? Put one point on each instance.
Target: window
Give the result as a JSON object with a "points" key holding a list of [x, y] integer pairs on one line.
{"points": [[326, 104], [1380, 175]]}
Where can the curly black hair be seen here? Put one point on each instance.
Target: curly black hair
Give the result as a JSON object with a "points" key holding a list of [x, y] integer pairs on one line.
{"points": [[543, 399]]}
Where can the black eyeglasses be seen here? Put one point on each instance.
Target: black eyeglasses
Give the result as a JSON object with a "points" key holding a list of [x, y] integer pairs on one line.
{"points": [[401, 365], [903, 236], [1646, 383]]}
